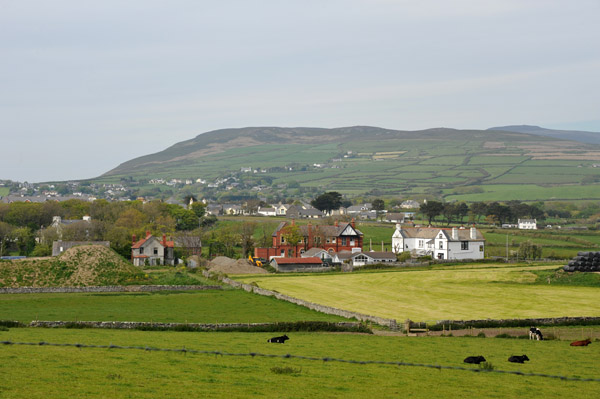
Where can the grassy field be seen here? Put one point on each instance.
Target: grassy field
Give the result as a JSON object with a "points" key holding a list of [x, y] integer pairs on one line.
{"points": [[227, 306], [60, 372], [450, 293], [4, 191]]}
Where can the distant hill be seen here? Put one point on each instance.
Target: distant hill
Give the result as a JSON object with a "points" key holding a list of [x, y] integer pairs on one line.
{"points": [[441, 162], [575, 135]]}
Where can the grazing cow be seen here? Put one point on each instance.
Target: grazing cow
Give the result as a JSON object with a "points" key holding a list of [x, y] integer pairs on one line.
{"points": [[585, 342], [518, 359], [279, 340], [474, 359], [536, 334]]}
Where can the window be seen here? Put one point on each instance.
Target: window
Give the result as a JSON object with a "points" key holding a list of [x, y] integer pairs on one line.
{"points": [[333, 240], [420, 243], [343, 240], [464, 245], [290, 253], [141, 250], [282, 239], [155, 251], [352, 242], [441, 244], [481, 248]]}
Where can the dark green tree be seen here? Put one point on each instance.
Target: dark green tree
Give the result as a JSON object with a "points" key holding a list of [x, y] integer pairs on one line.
{"points": [[327, 202], [431, 209]]}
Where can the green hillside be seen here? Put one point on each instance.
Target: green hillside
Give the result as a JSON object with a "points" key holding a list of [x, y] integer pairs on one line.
{"points": [[458, 164]]}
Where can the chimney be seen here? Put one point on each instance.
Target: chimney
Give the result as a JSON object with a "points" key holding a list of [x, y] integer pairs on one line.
{"points": [[353, 224], [454, 233], [148, 233], [293, 222], [309, 234], [335, 223], [133, 240], [473, 233], [164, 240]]}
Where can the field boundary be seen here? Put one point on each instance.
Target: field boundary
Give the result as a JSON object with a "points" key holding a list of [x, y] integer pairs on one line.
{"points": [[390, 323], [108, 288]]}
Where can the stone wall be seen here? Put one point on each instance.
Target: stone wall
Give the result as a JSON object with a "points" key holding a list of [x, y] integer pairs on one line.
{"points": [[108, 288], [391, 323]]}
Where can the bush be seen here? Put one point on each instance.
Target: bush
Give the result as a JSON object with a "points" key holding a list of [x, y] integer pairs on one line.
{"points": [[404, 256], [486, 366], [285, 370], [11, 323]]}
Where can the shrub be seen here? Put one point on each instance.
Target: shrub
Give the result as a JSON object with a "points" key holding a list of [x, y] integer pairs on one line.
{"points": [[486, 366], [404, 256]]}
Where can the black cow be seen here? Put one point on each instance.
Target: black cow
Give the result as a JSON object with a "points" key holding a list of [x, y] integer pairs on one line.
{"points": [[474, 359], [278, 340], [518, 359], [536, 334]]}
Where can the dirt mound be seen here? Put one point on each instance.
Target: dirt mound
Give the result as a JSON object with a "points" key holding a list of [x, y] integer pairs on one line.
{"points": [[226, 265], [85, 265]]}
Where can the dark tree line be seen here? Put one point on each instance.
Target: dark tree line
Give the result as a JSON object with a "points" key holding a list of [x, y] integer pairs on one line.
{"points": [[492, 212]]}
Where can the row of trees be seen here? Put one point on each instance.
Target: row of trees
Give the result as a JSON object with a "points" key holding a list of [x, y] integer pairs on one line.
{"points": [[492, 212]]}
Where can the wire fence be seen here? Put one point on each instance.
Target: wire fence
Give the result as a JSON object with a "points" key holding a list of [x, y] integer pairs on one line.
{"points": [[309, 358]]}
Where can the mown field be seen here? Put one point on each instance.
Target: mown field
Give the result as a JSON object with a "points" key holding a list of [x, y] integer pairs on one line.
{"points": [[442, 293], [60, 372], [227, 306]]}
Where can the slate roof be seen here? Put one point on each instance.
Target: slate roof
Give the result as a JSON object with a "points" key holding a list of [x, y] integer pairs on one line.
{"points": [[431, 233], [298, 261], [141, 242]]}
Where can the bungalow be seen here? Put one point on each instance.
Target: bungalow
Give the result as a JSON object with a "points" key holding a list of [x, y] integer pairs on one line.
{"points": [[439, 243], [396, 218], [152, 251], [266, 211]]}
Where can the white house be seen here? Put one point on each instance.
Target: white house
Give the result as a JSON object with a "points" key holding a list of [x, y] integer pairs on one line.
{"points": [[528, 224], [439, 243], [410, 204], [266, 211]]}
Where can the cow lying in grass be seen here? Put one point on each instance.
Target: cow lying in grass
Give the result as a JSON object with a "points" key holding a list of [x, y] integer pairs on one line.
{"points": [[278, 340], [475, 359], [536, 334], [585, 342], [518, 359]]}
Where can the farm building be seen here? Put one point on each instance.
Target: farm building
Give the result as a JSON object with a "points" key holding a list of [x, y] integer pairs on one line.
{"points": [[364, 258], [312, 264], [439, 243]]}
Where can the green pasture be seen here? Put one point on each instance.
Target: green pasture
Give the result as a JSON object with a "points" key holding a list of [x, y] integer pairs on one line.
{"points": [[4, 191], [59, 372], [460, 293], [211, 306], [528, 192]]}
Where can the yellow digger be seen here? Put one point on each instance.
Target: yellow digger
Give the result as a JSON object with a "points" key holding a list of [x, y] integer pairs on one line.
{"points": [[260, 262]]}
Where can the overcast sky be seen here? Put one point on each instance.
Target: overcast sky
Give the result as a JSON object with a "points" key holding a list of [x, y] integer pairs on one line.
{"points": [[87, 85]]}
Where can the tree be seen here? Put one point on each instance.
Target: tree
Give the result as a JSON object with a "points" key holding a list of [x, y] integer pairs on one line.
{"points": [[246, 232], [501, 212], [5, 237], [199, 209], [431, 209], [292, 236], [378, 205], [478, 209], [327, 202]]}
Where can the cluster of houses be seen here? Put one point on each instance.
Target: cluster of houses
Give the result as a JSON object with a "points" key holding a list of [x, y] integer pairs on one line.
{"points": [[304, 210], [318, 247]]}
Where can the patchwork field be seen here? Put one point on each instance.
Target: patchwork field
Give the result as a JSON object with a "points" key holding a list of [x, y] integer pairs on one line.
{"points": [[45, 371], [451, 293]]}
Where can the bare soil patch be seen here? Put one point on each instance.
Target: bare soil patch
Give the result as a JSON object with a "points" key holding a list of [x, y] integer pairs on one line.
{"points": [[226, 265]]}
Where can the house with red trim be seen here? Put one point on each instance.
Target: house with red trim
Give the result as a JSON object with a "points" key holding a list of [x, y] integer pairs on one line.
{"points": [[152, 251], [339, 237]]}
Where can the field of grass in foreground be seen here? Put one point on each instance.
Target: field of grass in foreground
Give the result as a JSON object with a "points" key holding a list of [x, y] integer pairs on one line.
{"points": [[227, 306], [60, 372], [460, 293]]}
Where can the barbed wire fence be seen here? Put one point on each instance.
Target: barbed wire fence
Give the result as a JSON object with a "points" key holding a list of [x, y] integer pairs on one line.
{"points": [[186, 351]]}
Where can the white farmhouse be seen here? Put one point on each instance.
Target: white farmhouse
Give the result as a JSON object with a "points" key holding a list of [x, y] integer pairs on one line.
{"points": [[528, 224], [439, 243]]}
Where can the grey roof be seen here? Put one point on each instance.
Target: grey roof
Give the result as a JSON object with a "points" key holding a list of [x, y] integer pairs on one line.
{"points": [[380, 255], [313, 252], [431, 233]]}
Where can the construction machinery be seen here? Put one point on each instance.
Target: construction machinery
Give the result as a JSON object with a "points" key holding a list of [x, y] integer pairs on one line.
{"points": [[256, 261]]}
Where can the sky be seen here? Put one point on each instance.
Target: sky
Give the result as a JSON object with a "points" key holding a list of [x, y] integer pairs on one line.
{"points": [[87, 85]]}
